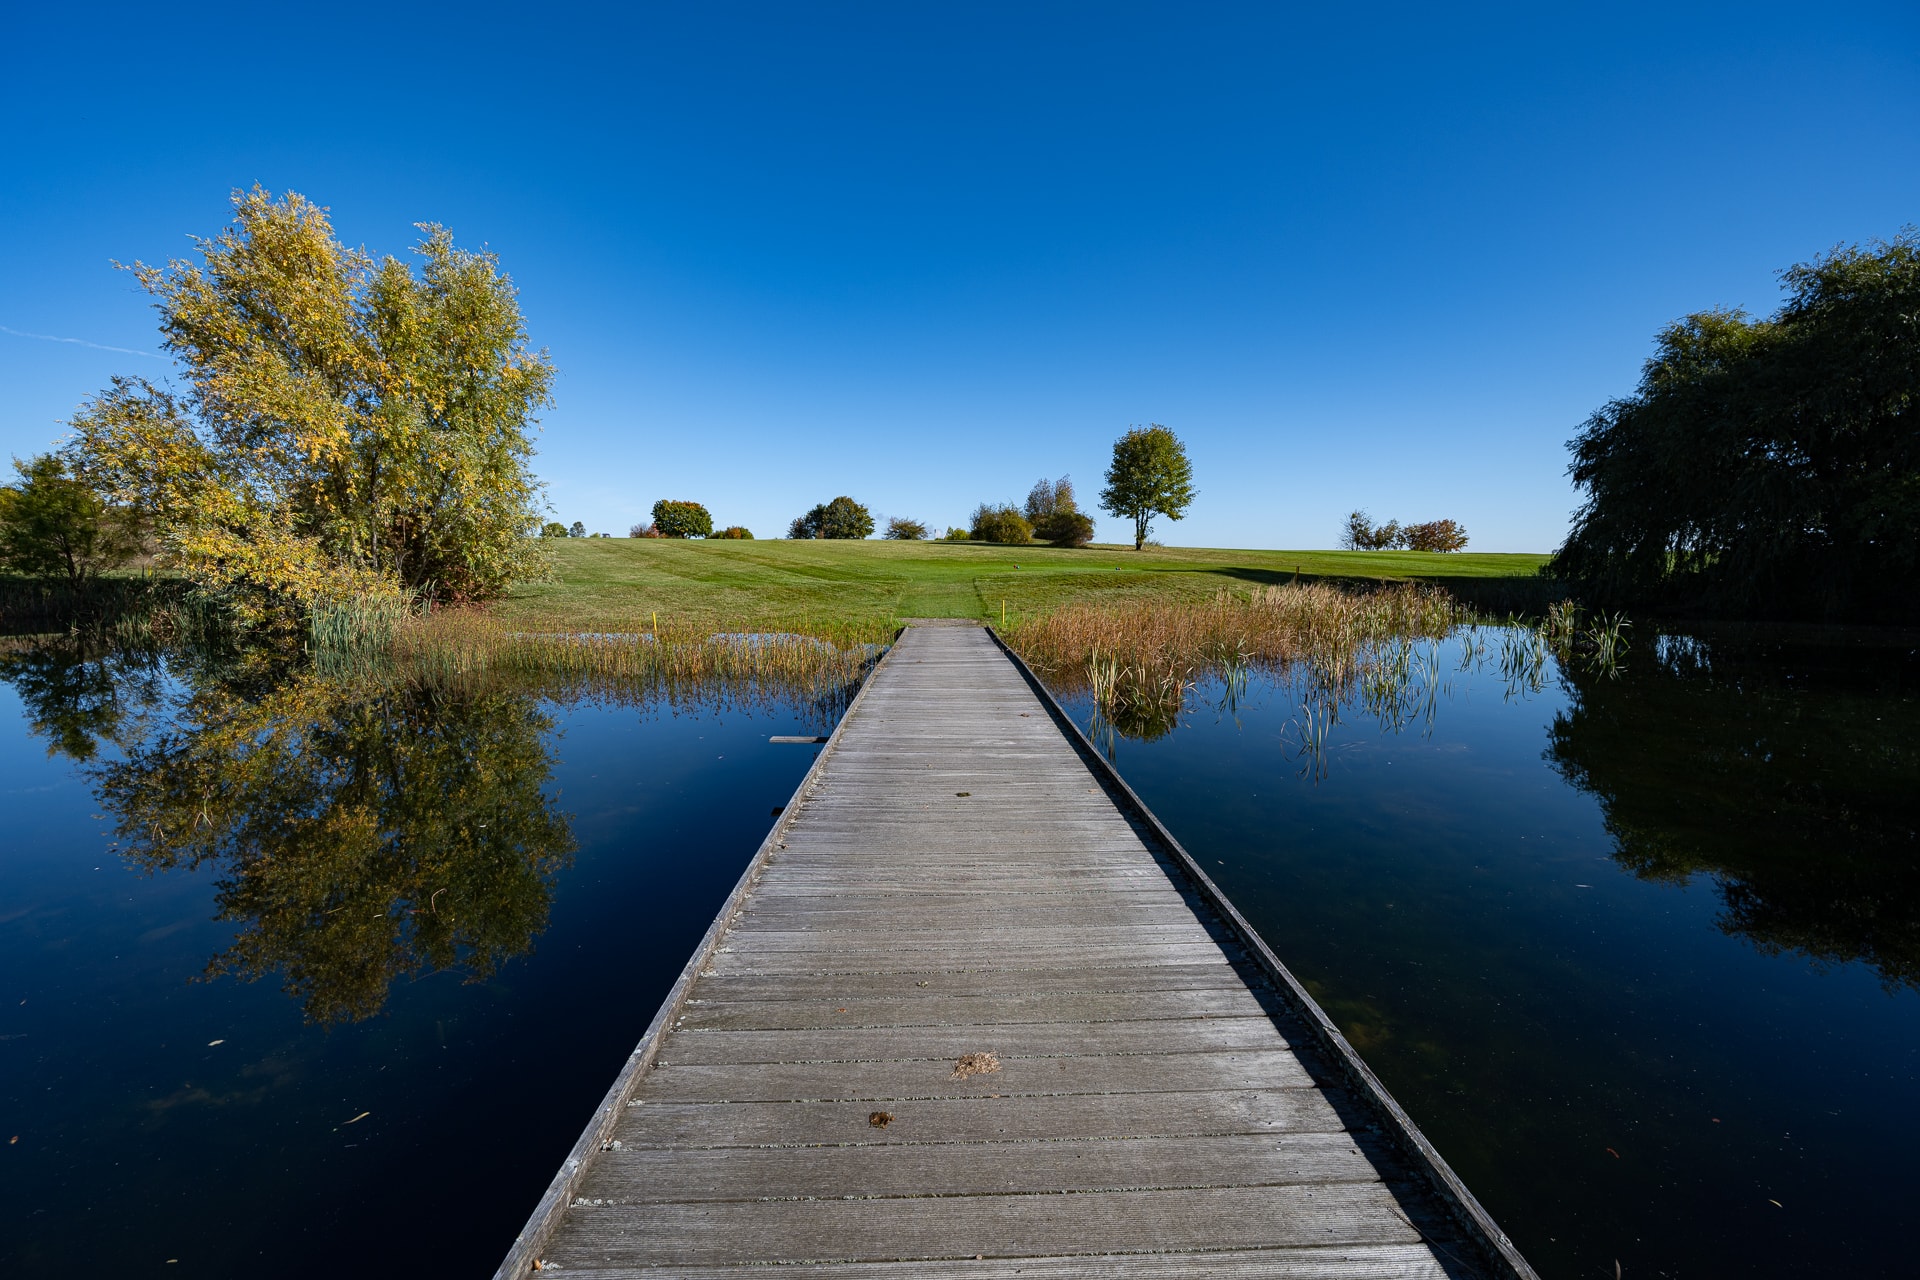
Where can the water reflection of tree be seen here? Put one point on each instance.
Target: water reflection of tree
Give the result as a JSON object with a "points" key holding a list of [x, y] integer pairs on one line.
{"points": [[360, 833], [76, 698], [1788, 777]]}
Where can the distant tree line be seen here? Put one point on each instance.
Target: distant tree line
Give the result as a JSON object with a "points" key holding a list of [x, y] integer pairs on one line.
{"points": [[1766, 467], [1149, 476], [1361, 534]]}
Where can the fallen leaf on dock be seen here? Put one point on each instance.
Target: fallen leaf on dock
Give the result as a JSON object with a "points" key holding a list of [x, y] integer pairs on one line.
{"points": [[880, 1119], [976, 1064]]}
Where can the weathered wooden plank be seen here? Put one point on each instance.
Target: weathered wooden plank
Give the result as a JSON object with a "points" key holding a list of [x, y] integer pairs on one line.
{"points": [[1347, 1262], [972, 1010], [981, 939], [1025, 1117], [931, 1078], [963, 956], [648, 1175], [976, 918], [714, 1046], [753, 1231], [980, 982]]}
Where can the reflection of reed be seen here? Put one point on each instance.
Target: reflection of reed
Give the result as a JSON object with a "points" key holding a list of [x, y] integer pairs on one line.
{"points": [[1141, 662]]}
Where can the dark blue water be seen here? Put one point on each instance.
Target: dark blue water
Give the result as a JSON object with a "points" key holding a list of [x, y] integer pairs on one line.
{"points": [[300, 978], [445, 921], [1641, 953]]}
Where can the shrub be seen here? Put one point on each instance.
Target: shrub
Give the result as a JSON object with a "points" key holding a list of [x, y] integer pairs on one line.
{"points": [[1049, 498], [904, 530], [52, 525], [1065, 529], [841, 518], [644, 531], [1435, 535], [681, 519], [553, 529], [735, 531], [956, 535], [1002, 523], [1361, 534]]}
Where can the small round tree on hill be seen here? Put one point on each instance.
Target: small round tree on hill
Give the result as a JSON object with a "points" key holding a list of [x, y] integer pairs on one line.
{"points": [[681, 519], [1150, 475], [1001, 523], [902, 529], [841, 518]]}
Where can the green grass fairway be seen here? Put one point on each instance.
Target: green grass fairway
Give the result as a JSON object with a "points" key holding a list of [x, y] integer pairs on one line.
{"points": [[745, 582]]}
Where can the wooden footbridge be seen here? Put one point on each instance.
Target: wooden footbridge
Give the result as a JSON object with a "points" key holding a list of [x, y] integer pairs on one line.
{"points": [[971, 1012]]}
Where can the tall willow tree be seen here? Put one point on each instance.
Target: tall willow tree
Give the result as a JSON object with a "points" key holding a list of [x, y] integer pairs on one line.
{"points": [[1767, 466], [349, 427]]}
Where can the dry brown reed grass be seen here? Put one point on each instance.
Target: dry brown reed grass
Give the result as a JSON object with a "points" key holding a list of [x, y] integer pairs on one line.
{"points": [[1138, 658], [627, 660]]}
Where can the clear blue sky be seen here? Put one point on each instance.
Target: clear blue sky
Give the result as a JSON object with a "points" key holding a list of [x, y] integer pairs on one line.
{"points": [[926, 254]]}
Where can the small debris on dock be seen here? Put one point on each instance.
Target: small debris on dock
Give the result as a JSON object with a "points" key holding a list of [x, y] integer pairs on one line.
{"points": [[880, 1119], [976, 1064]]}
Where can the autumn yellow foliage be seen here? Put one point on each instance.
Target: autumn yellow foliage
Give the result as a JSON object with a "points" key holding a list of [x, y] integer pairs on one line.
{"points": [[349, 427]]}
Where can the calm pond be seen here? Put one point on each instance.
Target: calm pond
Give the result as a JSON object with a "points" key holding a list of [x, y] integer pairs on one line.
{"points": [[300, 980]]}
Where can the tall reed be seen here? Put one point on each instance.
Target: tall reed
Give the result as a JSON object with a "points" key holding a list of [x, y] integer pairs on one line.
{"points": [[1137, 656], [626, 659]]}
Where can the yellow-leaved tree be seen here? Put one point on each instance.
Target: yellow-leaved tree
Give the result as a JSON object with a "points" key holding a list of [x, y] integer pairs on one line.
{"points": [[350, 427]]}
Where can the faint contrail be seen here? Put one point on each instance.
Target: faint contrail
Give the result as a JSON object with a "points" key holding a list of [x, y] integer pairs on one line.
{"points": [[78, 342]]}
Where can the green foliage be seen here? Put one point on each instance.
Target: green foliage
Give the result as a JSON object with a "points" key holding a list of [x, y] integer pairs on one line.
{"points": [[349, 427], [955, 534], [681, 519], [1055, 516], [577, 530], [1066, 529], [52, 525], [1150, 475], [1048, 498], [1444, 536], [841, 518], [1001, 523], [901, 529], [737, 531], [1766, 466], [553, 529], [1361, 534]]}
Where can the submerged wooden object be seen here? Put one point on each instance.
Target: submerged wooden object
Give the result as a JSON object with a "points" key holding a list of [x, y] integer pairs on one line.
{"points": [[973, 1012]]}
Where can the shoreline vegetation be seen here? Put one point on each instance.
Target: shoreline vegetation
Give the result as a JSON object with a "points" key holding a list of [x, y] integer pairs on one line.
{"points": [[652, 618]]}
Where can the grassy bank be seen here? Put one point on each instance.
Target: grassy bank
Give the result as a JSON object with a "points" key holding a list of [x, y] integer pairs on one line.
{"points": [[607, 583]]}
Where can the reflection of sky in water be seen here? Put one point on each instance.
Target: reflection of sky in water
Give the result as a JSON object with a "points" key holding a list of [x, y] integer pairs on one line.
{"points": [[141, 1139], [1634, 1012]]}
